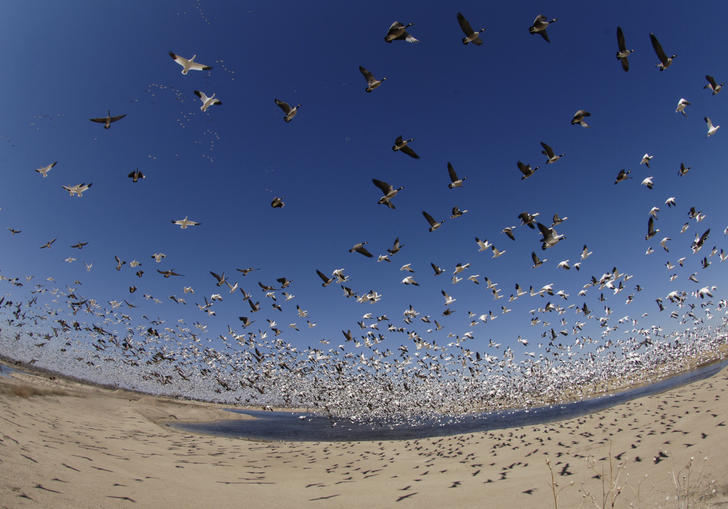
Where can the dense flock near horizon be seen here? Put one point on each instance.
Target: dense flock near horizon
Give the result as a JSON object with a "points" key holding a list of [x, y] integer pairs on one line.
{"points": [[397, 362]]}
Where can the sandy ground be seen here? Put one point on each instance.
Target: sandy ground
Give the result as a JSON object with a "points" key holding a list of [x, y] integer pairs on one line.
{"points": [[64, 444]]}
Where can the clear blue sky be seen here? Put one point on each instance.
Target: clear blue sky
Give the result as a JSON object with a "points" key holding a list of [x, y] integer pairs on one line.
{"points": [[480, 108]]}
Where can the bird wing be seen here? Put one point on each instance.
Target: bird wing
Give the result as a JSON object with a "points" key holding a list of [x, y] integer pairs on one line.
{"points": [[383, 186], [548, 151], [284, 106], [524, 169], [465, 25], [625, 63], [545, 230], [658, 49], [545, 35], [99, 120], [620, 40], [451, 172], [196, 66], [367, 75], [323, 276], [364, 251], [408, 150], [203, 97], [711, 80], [118, 117], [429, 218]]}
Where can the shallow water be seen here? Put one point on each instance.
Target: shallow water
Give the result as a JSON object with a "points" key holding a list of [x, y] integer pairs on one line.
{"points": [[6, 371], [298, 426]]}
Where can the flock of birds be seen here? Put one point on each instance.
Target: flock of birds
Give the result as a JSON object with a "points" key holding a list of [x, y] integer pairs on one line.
{"points": [[429, 372]]}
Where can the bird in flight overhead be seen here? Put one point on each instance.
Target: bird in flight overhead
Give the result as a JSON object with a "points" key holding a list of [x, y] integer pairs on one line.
{"points": [[185, 223], [549, 152], [107, 120], [578, 118], [189, 65], [136, 175], [711, 128], [388, 192], [454, 180], [372, 82], [434, 225], [539, 25], [289, 111], [665, 61], [207, 101], [623, 53], [470, 34], [712, 85], [78, 189], [45, 169], [398, 32], [401, 145]]}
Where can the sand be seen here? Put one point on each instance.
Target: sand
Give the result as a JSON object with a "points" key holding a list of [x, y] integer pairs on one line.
{"points": [[65, 444]]}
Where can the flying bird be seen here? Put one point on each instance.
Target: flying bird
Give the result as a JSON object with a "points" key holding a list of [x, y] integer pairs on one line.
{"points": [[78, 189], [647, 181], [536, 260], [539, 25], [45, 169], [646, 159], [549, 152], [48, 244], [277, 203], [372, 82], [434, 225], [326, 280], [623, 53], [168, 273], [136, 175], [622, 175], [528, 219], [454, 180], [108, 119], [397, 32], [184, 223], [189, 64], [289, 111], [651, 231], [400, 144], [396, 246], [712, 85], [683, 170], [526, 170], [456, 212], [550, 237], [665, 61], [388, 192], [711, 128], [359, 248], [470, 34], [578, 118], [410, 280], [681, 105], [207, 101]]}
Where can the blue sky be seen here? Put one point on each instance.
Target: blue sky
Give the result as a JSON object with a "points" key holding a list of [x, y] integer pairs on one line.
{"points": [[480, 108]]}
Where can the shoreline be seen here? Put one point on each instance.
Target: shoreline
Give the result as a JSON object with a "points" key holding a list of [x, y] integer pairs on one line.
{"points": [[65, 444]]}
